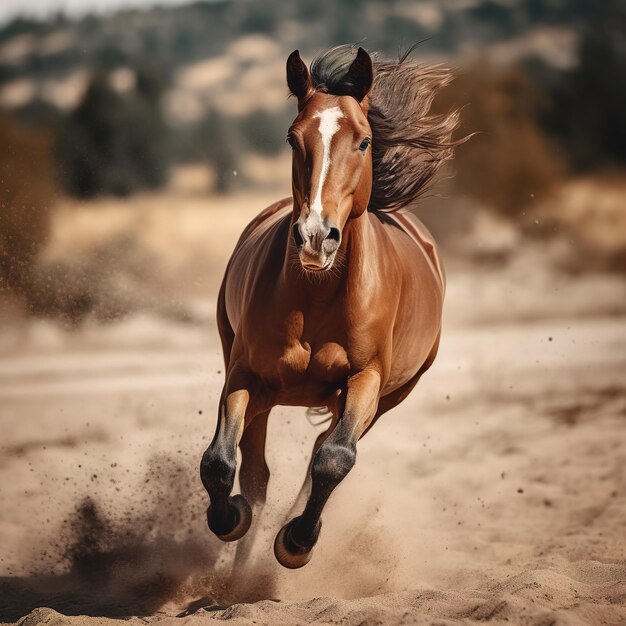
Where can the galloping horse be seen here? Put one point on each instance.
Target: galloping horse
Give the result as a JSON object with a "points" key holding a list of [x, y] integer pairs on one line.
{"points": [[333, 298]]}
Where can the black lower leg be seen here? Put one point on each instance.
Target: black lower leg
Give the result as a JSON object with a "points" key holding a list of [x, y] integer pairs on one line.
{"points": [[331, 465], [217, 471]]}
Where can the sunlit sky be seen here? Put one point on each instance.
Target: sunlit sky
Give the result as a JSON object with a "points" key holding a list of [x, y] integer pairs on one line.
{"points": [[44, 8]]}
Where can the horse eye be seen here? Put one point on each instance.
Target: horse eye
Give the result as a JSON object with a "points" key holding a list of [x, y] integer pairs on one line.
{"points": [[364, 144], [291, 141]]}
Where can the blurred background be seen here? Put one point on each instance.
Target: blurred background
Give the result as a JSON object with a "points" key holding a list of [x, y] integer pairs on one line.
{"points": [[137, 139]]}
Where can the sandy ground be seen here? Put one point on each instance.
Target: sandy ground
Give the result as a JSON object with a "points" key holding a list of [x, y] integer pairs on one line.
{"points": [[496, 492]]}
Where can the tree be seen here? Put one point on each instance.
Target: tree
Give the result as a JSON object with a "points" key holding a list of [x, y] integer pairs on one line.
{"points": [[115, 143], [215, 139]]}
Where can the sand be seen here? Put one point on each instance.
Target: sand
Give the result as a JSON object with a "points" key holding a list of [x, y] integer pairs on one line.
{"points": [[496, 492]]}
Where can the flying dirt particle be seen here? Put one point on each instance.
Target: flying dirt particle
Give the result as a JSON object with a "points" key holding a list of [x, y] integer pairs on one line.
{"points": [[200, 412], [520, 490], [503, 475], [447, 397], [549, 338], [547, 502]]}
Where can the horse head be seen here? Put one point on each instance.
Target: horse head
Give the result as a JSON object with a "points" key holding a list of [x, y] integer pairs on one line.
{"points": [[332, 157]]}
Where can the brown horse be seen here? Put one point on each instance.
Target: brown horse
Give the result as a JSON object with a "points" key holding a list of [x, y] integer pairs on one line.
{"points": [[333, 298]]}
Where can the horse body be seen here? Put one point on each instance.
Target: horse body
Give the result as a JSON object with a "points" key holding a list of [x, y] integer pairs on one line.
{"points": [[381, 309], [332, 298]]}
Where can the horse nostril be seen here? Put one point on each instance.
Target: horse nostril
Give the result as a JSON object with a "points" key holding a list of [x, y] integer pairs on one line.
{"points": [[334, 233], [297, 236]]}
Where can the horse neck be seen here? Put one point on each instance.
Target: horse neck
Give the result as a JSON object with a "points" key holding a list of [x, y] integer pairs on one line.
{"points": [[357, 240]]}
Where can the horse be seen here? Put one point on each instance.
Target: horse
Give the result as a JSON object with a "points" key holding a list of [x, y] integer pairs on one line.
{"points": [[332, 299]]}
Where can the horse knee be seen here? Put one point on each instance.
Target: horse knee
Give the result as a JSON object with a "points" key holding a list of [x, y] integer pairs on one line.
{"points": [[217, 470], [332, 463]]}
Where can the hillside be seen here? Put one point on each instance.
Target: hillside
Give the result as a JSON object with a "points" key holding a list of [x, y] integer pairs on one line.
{"points": [[219, 52]]}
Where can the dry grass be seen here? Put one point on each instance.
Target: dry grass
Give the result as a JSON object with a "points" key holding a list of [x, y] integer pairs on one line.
{"points": [[157, 252], [589, 214]]}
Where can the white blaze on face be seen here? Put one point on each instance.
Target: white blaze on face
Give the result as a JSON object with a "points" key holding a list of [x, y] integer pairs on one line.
{"points": [[329, 125]]}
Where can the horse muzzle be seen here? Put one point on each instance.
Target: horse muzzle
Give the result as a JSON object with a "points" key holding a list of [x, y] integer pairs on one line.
{"points": [[317, 243]]}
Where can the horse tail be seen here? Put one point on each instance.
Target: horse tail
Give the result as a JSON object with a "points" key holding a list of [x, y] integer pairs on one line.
{"points": [[322, 412]]}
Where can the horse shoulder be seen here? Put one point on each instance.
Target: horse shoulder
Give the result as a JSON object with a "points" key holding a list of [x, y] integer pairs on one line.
{"points": [[255, 249]]}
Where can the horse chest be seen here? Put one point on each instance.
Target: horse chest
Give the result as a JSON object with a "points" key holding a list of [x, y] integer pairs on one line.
{"points": [[311, 366], [300, 351], [302, 362]]}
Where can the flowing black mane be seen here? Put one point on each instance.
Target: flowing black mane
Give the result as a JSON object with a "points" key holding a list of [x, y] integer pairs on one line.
{"points": [[409, 144]]}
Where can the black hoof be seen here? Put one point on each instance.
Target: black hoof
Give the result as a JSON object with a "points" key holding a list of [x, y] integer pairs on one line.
{"points": [[288, 553], [241, 516]]}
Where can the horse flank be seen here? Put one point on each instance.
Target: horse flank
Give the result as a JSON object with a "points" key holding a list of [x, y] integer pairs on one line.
{"points": [[409, 144]]}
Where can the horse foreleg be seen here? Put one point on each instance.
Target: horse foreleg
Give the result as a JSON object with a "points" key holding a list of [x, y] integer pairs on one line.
{"points": [[305, 490], [228, 517], [331, 464]]}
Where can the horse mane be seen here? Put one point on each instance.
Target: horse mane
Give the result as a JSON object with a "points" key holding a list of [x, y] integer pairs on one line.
{"points": [[409, 145]]}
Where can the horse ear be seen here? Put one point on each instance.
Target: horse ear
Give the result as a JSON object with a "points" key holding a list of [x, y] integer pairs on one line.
{"points": [[298, 77], [360, 76]]}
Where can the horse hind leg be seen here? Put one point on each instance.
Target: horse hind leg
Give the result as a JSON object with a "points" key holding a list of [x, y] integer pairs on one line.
{"points": [[254, 476], [305, 490], [254, 473]]}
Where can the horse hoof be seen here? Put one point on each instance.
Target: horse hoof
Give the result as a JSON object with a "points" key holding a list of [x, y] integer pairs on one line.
{"points": [[288, 553], [242, 514]]}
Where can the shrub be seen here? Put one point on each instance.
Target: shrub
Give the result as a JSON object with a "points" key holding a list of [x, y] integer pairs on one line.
{"points": [[216, 142], [509, 162]]}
